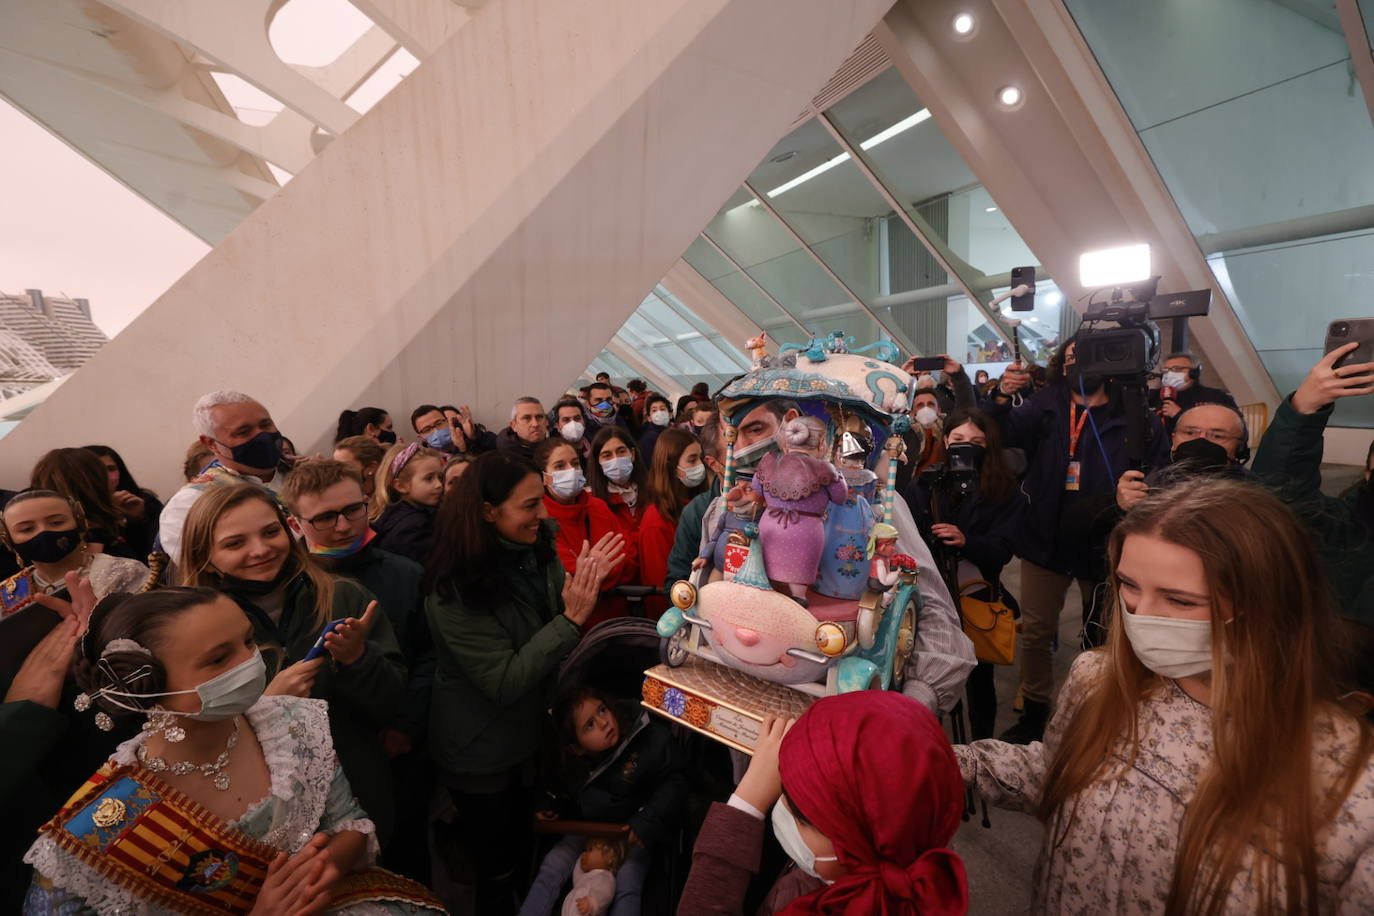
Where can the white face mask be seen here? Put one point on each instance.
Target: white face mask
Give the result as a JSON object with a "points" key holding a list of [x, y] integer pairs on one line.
{"points": [[927, 416], [789, 837], [692, 476], [1174, 379], [1169, 647], [567, 483], [618, 470], [660, 417], [573, 430], [231, 693]]}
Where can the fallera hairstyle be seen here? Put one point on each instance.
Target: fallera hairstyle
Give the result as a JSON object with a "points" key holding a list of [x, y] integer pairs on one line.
{"points": [[201, 416], [365, 449], [597, 480], [197, 457], [667, 491], [996, 482], [198, 542], [79, 475], [385, 493], [355, 422], [465, 562], [545, 449], [143, 618], [1261, 800], [419, 412], [315, 477], [126, 480]]}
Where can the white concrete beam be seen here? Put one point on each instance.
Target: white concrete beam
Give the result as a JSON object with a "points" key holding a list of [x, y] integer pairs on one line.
{"points": [[478, 232], [420, 26]]}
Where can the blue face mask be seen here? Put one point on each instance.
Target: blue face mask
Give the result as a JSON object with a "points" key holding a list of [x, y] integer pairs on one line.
{"points": [[567, 483], [262, 452], [441, 438], [618, 470]]}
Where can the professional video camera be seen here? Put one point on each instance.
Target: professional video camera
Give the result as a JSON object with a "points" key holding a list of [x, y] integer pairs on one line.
{"points": [[1118, 338]]}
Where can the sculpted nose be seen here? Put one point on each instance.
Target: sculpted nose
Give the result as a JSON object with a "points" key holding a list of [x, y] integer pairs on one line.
{"points": [[746, 636]]}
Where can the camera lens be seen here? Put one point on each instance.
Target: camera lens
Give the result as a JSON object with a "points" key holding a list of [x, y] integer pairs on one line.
{"points": [[1340, 328]]}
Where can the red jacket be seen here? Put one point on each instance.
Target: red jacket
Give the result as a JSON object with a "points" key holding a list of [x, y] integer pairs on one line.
{"points": [[656, 535], [629, 518], [590, 519]]}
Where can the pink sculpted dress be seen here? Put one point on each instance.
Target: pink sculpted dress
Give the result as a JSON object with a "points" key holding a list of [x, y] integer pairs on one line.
{"points": [[797, 489]]}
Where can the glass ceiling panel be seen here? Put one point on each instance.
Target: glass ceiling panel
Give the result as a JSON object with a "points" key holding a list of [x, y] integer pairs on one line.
{"points": [[1255, 123], [927, 175], [778, 263]]}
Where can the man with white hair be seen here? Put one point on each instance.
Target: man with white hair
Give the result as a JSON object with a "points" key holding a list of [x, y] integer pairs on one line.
{"points": [[529, 426], [240, 433]]}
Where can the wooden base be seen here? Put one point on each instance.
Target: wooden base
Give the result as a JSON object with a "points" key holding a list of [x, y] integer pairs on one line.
{"points": [[721, 703]]}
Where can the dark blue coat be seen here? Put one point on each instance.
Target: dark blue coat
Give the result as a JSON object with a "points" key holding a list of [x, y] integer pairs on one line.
{"points": [[1066, 531]]}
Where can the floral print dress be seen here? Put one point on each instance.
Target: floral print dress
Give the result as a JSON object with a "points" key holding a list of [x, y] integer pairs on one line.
{"points": [[1117, 855]]}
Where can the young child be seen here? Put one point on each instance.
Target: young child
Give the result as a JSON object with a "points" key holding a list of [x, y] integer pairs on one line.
{"points": [[594, 878], [409, 485], [619, 768]]}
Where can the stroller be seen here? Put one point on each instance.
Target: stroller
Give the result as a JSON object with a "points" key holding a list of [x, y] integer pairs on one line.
{"points": [[612, 657]]}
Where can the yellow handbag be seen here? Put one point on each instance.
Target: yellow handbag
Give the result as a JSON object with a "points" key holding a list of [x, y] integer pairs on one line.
{"points": [[990, 624]]}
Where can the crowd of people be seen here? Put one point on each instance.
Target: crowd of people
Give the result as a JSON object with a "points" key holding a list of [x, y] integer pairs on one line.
{"points": [[341, 682]]}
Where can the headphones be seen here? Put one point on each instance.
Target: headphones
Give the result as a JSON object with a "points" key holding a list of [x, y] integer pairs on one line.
{"points": [[1194, 370]]}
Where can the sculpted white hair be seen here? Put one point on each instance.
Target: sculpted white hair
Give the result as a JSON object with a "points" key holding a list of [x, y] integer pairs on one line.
{"points": [[201, 417]]}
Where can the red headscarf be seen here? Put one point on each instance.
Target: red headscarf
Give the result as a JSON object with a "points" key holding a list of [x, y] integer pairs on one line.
{"points": [[874, 772]]}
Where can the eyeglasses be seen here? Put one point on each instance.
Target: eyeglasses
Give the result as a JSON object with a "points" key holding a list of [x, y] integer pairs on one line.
{"points": [[431, 427], [326, 520], [1211, 435]]}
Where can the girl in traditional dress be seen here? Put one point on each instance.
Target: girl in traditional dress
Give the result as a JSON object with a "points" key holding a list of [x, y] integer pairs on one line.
{"points": [[228, 802]]}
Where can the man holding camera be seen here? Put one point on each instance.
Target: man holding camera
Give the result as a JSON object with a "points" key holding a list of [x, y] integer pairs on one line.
{"points": [[1209, 440], [1074, 433]]}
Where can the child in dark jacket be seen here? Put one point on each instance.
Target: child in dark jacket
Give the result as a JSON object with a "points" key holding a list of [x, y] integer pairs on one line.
{"points": [[619, 767]]}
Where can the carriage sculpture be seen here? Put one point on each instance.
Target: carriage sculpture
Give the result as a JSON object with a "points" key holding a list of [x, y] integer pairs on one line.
{"points": [[799, 581]]}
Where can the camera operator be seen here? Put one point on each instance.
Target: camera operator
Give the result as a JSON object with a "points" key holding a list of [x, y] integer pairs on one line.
{"points": [[1209, 440], [1074, 435], [1180, 389], [969, 512], [1288, 461]]}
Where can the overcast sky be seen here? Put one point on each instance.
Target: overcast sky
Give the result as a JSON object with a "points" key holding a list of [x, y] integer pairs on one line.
{"points": [[71, 229]]}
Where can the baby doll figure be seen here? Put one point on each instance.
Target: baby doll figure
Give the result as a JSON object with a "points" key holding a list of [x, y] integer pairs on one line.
{"points": [[594, 879], [796, 488]]}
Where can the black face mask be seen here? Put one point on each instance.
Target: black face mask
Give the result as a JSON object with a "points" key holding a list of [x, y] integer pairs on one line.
{"points": [[386, 437], [1202, 455], [49, 546], [256, 588], [261, 452], [1084, 384], [964, 457]]}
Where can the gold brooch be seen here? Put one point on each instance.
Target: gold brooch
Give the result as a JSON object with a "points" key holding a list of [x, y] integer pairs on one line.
{"points": [[109, 813]]}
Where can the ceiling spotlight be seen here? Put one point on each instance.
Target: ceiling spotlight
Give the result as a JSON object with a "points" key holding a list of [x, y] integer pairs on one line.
{"points": [[1009, 96], [989, 209], [783, 157], [963, 24]]}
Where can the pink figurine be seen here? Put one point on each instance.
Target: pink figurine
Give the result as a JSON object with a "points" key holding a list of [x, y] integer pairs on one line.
{"points": [[796, 488]]}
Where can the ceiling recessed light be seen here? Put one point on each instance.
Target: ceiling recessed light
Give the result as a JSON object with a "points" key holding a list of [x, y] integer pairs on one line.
{"points": [[963, 24], [1009, 96], [990, 210], [783, 157]]}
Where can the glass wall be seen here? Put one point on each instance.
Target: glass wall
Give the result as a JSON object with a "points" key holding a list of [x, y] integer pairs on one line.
{"points": [[847, 224], [1261, 133]]}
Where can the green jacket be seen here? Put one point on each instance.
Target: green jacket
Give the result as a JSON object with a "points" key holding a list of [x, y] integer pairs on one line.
{"points": [[363, 698], [1289, 462], [395, 581], [687, 540], [497, 667]]}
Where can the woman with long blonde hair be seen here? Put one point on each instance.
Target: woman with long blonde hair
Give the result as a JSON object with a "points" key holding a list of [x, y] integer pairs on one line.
{"points": [[1201, 762], [236, 540]]}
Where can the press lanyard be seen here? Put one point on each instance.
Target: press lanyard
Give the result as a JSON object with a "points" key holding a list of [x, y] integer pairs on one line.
{"points": [[1076, 421]]}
